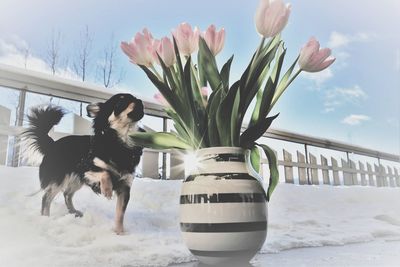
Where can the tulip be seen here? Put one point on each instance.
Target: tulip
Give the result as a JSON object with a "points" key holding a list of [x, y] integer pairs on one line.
{"points": [[204, 94], [164, 49], [186, 38], [161, 99], [314, 59], [140, 49], [271, 17], [215, 40]]}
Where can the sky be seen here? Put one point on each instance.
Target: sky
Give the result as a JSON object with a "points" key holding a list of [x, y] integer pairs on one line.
{"points": [[355, 101]]}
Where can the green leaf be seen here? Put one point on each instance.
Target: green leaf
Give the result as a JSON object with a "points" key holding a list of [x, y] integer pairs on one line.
{"points": [[163, 88], [178, 60], [255, 158], [251, 134], [180, 126], [168, 75], [225, 73], [224, 115], [256, 78], [284, 82], [270, 86], [273, 169], [159, 140], [213, 104], [256, 111], [208, 66], [235, 127]]}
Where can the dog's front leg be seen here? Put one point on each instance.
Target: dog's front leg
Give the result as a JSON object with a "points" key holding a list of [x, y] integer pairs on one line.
{"points": [[122, 203], [123, 195]]}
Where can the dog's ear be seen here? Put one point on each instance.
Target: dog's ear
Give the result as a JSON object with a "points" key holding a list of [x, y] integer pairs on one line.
{"points": [[93, 109]]}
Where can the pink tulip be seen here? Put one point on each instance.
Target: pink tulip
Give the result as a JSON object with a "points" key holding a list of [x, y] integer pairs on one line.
{"points": [[160, 99], [165, 49], [271, 17], [314, 59], [186, 38], [140, 49], [204, 91], [215, 40]]}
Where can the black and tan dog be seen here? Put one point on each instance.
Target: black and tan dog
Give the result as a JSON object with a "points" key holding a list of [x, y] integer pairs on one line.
{"points": [[104, 161]]}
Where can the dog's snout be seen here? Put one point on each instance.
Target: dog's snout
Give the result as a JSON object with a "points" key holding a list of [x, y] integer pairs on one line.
{"points": [[138, 112]]}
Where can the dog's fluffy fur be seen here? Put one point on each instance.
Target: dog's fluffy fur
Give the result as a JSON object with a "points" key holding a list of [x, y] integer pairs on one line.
{"points": [[105, 161]]}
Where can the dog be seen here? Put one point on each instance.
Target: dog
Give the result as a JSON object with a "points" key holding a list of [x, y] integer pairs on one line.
{"points": [[104, 161]]}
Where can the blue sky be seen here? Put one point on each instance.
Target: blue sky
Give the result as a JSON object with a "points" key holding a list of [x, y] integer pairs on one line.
{"points": [[355, 101]]}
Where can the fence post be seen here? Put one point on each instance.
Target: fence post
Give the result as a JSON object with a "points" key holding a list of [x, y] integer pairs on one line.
{"points": [[371, 180], [164, 155], [362, 174], [5, 115], [81, 126], [177, 166], [301, 170], [325, 172], [383, 173], [379, 181], [307, 162], [347, 178], [287, 158], [391, 177], [314, 170], [150, 164], [20, 122], [335, 172], [353, 174], [397, 177]]}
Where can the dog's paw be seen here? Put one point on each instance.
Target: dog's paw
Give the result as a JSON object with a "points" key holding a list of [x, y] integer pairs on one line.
{"points": [[78, 214], [119, 230]]}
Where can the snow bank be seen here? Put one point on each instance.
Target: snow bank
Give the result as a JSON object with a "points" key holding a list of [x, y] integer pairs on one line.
{"points": [[299, 216]]}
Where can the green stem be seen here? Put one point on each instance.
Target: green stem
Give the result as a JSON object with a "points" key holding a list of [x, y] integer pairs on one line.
{"points": [[156, 72], [260, 47], [275, 99]]}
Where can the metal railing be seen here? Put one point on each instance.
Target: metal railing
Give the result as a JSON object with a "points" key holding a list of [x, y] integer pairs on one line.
{"points": [[39, 83]]}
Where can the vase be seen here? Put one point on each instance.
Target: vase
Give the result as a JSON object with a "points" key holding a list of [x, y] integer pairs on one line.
{"points": [[223, 208]]}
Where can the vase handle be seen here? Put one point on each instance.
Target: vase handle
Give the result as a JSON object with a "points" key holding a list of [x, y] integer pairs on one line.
{"points": [[253, 172]]}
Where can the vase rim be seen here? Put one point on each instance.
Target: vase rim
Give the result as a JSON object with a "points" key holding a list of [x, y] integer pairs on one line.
{"points": [[220, 149]]}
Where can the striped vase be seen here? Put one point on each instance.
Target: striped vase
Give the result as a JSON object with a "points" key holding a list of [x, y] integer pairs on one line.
{"points": [[223, 209]]}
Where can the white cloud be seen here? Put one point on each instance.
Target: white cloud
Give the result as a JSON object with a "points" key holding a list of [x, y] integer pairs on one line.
{"points": [[340, 40], [339, 96], [14, 51], [355, 119], [318, 77]]}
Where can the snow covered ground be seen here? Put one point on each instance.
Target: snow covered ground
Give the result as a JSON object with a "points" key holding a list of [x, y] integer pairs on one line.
{"points": [[336, 221]]}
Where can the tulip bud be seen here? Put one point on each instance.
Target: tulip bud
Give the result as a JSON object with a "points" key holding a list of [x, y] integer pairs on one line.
{"points": [[271, 17], [161, 99], [186, 38], [215, 40], [140, 49], [314, 59], [165, 49]]}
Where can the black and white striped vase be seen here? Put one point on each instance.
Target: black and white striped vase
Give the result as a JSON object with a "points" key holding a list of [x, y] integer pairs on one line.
{"points": [[223, 209]]}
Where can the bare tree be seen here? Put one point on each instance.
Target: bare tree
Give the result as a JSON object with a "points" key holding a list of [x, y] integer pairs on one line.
{"points": [[107, 66], [82, 59], [53, 52], [81, 62], [26, 53]]}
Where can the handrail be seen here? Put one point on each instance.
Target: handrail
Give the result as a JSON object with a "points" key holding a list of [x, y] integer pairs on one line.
{"points": [[46, 84]]}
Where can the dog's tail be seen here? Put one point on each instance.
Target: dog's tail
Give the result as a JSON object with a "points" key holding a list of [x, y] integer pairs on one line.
{"points": [[41, 120]]}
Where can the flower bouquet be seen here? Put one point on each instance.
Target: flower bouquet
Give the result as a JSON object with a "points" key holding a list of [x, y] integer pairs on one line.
{"points": [[218, 120]]}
